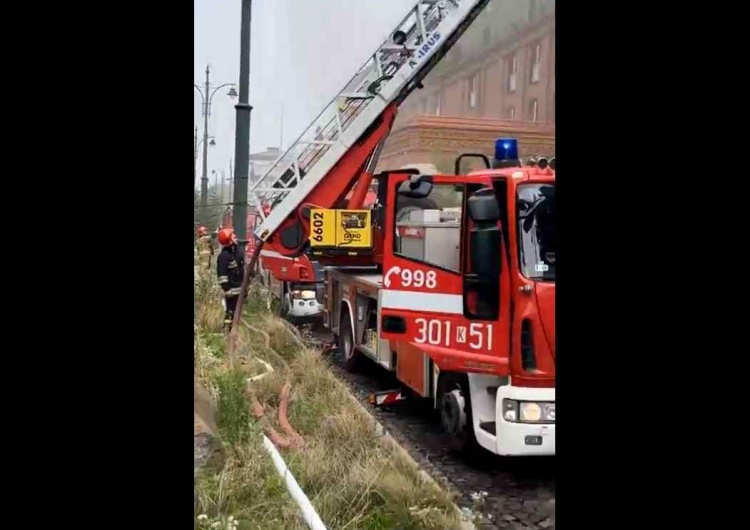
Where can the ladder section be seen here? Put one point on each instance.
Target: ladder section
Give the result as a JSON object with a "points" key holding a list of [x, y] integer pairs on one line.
{"points": [[392, 71]]}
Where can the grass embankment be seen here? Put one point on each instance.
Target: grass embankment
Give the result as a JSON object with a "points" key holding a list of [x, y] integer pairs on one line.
{"points": [[352, 479]]}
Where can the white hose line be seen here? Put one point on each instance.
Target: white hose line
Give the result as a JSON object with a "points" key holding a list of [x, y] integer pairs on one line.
{"points": [[268, 367], [312, 519]]}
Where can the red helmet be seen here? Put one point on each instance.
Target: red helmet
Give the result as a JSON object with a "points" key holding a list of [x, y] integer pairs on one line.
{"points": [[226, 236], [202, 231]]}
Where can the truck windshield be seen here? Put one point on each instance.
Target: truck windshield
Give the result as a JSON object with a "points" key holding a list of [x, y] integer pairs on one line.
{"points": [[536, 231]]}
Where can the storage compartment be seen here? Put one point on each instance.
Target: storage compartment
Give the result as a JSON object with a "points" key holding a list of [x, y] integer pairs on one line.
{"points": [[431, 236]]}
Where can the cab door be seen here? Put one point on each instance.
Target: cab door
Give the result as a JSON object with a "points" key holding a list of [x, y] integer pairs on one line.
{"points": [[446, 285]]}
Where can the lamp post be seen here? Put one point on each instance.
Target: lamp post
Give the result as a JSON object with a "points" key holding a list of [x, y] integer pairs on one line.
{"points": [[207, 95], [242, 132], [197, 144]]}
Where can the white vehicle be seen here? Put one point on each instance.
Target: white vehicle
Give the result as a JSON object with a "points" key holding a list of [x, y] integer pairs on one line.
{"points": [[299, 301]]}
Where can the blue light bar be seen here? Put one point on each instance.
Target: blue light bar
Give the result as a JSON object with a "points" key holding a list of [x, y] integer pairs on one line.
{"points": [[506, 149]]}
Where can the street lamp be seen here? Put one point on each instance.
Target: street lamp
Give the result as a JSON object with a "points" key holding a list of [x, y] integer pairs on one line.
{"points": [[207, 95], [196, 144]]}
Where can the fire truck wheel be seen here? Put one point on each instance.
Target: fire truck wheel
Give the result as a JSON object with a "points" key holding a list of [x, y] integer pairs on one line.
{"points": [[346, 344], [455, 414]]}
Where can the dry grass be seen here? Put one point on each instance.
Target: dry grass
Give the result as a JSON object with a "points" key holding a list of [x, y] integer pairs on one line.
{"points": [[352, 479]]}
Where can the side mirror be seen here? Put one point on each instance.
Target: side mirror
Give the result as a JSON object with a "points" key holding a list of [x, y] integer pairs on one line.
{"points": [[417, 187], [483, 206]]}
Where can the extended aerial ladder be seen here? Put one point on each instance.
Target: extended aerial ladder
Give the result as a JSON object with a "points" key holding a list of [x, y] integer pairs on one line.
{"points": [[339, 150]]}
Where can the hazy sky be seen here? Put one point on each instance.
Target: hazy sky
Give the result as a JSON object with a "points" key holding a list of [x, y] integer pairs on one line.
{"points": [[302, 52]]}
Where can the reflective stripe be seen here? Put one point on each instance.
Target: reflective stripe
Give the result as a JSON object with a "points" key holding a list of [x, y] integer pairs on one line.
{"points": [[416, 301], [223, 279], [235, 291]]}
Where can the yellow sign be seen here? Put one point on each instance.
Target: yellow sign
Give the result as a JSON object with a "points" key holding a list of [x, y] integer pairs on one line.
{"points": [[341, 228], [322, 228]]}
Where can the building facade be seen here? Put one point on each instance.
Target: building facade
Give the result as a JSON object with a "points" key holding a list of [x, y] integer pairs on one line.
{"points": [[438, 141], [499, 79]]}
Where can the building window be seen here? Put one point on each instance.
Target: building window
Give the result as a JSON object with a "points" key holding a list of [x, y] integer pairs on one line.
{"points": [[512, 73], [536, 62], [511, 113], [474, 91], [534, 110]]}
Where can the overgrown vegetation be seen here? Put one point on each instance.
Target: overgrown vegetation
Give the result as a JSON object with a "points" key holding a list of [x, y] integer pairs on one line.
{"points": [[352, 479]]}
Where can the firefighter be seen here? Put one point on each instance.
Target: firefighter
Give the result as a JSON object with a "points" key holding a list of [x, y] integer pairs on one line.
{"points": [[205, 248], [230, 267]]}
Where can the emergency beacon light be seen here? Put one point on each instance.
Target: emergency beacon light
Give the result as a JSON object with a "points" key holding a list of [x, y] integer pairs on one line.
{"points": [[506, 153], [506, 149]]}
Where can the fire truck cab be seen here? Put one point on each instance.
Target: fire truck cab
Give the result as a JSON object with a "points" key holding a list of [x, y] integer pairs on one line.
{"points": [[462, 308]]}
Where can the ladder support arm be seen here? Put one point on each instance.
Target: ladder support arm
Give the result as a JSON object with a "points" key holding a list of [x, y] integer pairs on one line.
{"points": [[291, 238]]}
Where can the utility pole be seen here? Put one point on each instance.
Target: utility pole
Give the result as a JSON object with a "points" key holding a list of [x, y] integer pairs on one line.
{"points": [[221, 189], [230, 199], [242, 132], [204, 174], [195, 156]]}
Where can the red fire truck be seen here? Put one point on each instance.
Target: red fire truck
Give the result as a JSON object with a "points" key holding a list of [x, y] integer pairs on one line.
{"points": [[449, 279], [462, 308]]}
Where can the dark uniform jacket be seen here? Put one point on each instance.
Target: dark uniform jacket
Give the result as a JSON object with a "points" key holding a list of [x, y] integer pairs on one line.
{"points": [[230, 266]]}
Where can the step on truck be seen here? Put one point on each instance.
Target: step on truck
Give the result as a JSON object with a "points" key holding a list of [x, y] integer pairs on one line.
{"points": [[449, 279]]}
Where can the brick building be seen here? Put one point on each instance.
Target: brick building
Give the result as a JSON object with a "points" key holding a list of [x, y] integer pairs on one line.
{"points": [[499, 79], [437, 140]]}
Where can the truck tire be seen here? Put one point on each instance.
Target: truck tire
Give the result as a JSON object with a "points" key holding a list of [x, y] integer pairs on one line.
{"points": [[345, 344], [454, 406]]}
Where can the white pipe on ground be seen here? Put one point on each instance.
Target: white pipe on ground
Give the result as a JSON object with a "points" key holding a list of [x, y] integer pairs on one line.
{"points": [[258, 377], [312, 519]]}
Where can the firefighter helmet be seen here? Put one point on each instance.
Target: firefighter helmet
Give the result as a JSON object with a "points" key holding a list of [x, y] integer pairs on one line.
{"points": [[226, 236], [202, 231]]}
